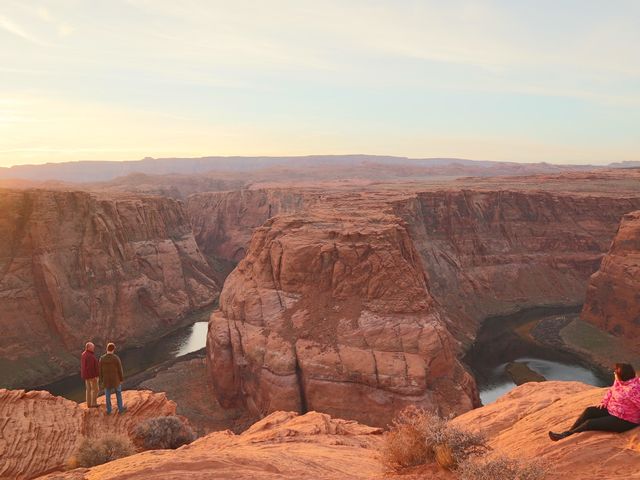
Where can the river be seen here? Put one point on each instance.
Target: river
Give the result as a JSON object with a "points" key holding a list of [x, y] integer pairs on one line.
{"points": [[503, 340]]}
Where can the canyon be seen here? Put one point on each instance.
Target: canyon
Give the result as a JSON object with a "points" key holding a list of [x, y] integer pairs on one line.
{"points": [[370, 298], [76, 266], [499, 251], [331, 311], [350, 299]]}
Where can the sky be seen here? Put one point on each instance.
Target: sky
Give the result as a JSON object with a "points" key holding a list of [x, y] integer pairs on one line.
{"points": [[530, 80]]}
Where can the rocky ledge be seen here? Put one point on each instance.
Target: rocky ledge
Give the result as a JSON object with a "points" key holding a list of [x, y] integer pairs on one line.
{"points": [[39, 432], [287, 446]]}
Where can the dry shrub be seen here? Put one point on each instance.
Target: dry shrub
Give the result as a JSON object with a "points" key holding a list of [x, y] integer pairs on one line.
{"points": [[418, 436], [96, 451], [162, 433], [455, 444], [404, 444], [501, 468]]}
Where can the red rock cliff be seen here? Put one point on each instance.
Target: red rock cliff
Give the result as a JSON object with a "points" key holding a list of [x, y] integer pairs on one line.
{"points": [[496, 252], [224, 221], [331, 311], [75, 266], [613, 295]]}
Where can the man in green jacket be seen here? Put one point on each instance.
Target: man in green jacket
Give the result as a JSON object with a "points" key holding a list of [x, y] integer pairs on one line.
{"points": [[111, 377]]}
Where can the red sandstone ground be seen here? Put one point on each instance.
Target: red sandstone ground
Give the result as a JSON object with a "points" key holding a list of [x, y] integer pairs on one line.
{"points": [[40, 432], [286, 446]]}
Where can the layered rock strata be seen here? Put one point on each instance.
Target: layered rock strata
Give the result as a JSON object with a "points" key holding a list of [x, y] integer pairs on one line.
{"points": [[76, 267], [223, 222], [40, 432], [613, 295], [497, 252], [331, 311]]}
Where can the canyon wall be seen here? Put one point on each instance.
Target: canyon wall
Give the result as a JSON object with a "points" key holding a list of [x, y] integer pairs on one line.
{"points": [[76, 267], [224, 221], [496, 252], [330, 310], [613, 295], [355, 305]]}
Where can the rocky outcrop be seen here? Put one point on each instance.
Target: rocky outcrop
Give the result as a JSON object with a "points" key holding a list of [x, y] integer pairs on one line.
{"points": [[76, 266], [331, 311], [286, 446], [613, 295], [281, 446], [40, 432], [224, 221], [496, 252], [517, 425]]}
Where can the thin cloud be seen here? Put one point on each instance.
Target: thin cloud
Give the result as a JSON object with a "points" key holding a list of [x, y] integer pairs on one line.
{"points": [[13, 28]]}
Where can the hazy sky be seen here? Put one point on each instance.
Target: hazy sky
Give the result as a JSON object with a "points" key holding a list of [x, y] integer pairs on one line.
{"points": [[536, 80]]}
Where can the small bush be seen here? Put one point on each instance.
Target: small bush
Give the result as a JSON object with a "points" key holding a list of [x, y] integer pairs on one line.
{"points": [[404, 444], [96, 451], [417, 436], [501, 468], [453, 445], [162, 433]]}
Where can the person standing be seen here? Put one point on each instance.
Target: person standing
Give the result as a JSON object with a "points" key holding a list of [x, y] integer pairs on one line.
{"points": [[89, 371], [111, 377]]}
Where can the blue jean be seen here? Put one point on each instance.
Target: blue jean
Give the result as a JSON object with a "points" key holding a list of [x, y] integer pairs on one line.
{"points": [[107, 397]]}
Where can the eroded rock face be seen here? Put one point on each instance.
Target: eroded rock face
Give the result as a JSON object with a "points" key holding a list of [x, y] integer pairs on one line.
{"points": [[331, 311], [613, 295], [223, 222], [496, 252], [76, 267], [39, 432]]}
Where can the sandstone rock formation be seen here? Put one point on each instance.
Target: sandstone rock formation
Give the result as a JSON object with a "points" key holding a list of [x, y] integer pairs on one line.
{"points": [[517, 426], [332, 306], [496, 252], [613, 295], [76, 266], [331, 311], [283, 446], [223, 222], [286, 446], [39, 432]]}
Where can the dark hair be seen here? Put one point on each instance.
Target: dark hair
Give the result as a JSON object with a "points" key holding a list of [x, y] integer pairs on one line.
{"points": [[625, 371], [111, 347]]}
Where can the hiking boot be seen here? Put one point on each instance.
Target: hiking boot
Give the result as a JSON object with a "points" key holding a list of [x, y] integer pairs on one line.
{"points": [[122, 411], [558, 436]]}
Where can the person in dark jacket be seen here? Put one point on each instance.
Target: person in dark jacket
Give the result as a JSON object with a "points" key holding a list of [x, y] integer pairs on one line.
{"points": [[111, 377], [89, 371]]}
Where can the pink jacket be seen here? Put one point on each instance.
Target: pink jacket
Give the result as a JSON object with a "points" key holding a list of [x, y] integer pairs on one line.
{"points": [[622, 400]]}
